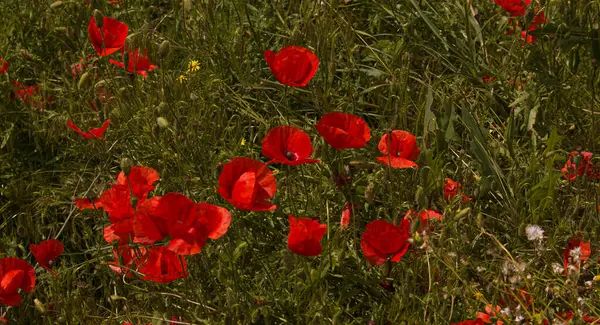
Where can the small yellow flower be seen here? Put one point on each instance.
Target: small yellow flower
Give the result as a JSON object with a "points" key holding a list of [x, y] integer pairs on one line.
{"points": [[597, 278], [478, 295], [193, 66], [275, 171], [181, 78], [243, 142]]}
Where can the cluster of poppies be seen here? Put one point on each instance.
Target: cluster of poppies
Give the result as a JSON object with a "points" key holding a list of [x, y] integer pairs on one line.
{"points": [[518, 8], [16, 274]]}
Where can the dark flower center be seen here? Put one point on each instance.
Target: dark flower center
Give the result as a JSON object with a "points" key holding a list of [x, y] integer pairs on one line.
{"points": [[291, 155]]}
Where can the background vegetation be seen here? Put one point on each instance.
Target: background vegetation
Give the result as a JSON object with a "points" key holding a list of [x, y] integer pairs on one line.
{"points": [[413, 65]]}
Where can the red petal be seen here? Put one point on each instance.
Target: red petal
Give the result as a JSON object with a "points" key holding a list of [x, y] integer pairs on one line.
{"points": [[344, 131], [46, 251], [75, 128], [83, 204], [98, 132]]}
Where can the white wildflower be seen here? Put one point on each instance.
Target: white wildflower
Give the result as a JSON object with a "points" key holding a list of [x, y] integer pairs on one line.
{"points": [[557, 268], [534, 232]]}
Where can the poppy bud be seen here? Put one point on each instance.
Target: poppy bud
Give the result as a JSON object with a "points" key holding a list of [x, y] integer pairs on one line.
{"points": [[164, 49], [85, 80], [370, 192], [56, 4], [26, 55], [126, 164], [98, 18], [420, 197], [479, 220], [162, 109], [462, 213], [162, 122]]}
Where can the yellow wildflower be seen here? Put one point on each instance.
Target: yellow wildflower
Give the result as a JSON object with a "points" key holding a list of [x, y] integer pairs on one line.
{"points": [[193, 66], [182, 78], [478, 295], [597, 278], [275, 171], [243, 142]]}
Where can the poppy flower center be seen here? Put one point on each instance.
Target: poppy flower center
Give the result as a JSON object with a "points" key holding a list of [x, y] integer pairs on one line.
{"points": [[291, 155]]}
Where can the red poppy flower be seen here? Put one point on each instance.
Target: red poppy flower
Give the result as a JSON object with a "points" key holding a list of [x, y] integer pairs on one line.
{"points": [[287, 145], [30, 95], [247, 184], [116, 201], [400, 150], [585, 167], [490, 314], [382, 240], [137, 63], [127, 259], [346, 215], [293, 65], [488, 80], [470, 322], [425, 218], [305, 236], [537, 22], [188, 224], [163, 265], [15, 274], [110, 39], [452, 188], [46, 252], [3, 65], [576, 253], [3, 320], [92, 133], [344, 131], [514, 7]]}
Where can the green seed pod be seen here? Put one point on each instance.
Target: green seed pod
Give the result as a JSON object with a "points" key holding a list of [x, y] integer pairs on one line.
{"points": [[162, 122], [164, 49], [126, 164], [85, 79], [39, 306], [162, 109], [56, 4], [479, 220], [98, 17]]}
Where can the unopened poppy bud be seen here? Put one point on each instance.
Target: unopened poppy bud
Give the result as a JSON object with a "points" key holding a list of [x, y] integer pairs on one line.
{"points": [[85, 80], [164, 49], [462, 213], [39, 306], [479, 220], [56, 4], [26, 55], [126, 164], [162, 122], [162, 109], [98, 17], [370, 193]]}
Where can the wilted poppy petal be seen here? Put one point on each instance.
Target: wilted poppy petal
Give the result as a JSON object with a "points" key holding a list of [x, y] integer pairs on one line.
{"points": [[98, 132], [75, 128]]}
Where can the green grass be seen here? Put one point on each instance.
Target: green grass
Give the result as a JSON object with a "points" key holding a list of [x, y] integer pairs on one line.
{"points": [[409, 65]]}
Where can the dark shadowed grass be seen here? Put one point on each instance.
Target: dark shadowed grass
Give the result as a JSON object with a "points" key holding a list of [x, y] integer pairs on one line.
{"points": [[409, 65]]}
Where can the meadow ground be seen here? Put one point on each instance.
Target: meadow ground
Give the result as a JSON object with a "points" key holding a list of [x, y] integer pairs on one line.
{"points": [[501, 98]]}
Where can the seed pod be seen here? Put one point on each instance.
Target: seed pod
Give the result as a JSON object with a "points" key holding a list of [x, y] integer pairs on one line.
{"points": [[126, 164], [85, 80], [162, 122], [56, 4], [164, 49], [162, 109], [39, 306]]}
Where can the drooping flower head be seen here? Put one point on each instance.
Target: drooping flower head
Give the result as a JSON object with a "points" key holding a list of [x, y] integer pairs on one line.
{"points": [[247, 184], [15, 274], [344, 131], [46, 252], [293, 66], [400, 150], [110, 39], [425, 218], [287, 145], [305, 236], [383, 240], [452, 188]]}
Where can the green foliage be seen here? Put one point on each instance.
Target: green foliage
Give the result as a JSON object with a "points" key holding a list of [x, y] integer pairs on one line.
{"points": [[409, 65]]}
